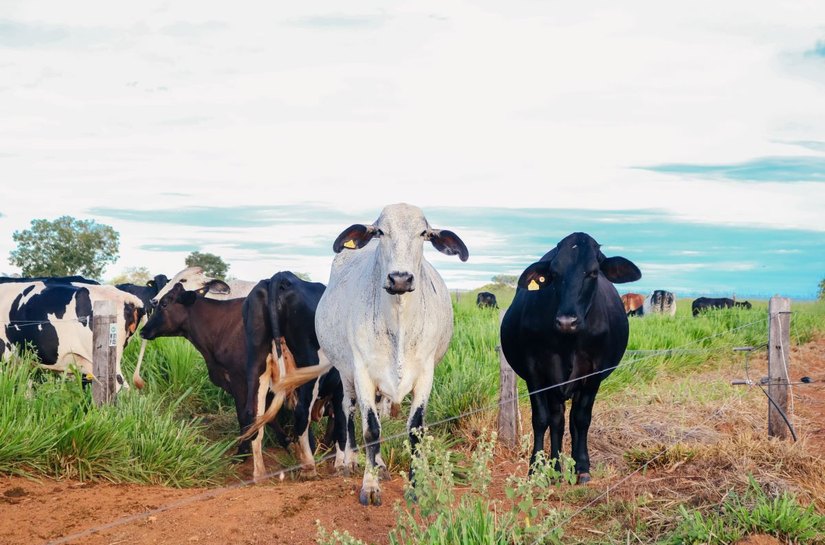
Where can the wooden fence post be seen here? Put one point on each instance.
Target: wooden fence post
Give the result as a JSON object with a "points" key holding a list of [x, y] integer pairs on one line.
{"points": [[779, 340], [509, 418], [104, 335]]}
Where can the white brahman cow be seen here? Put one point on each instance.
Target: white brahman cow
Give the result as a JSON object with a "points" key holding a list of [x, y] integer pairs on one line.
{"points": [[384, 321]]}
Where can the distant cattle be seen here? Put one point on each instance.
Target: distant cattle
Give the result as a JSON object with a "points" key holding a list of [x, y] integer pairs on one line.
{"points": [[148, 292], [384, 322], [193, 278], [633, 304], [705, 303], [563, 334], [485, 299], [54, 318], [283, 307], [660, 302]]}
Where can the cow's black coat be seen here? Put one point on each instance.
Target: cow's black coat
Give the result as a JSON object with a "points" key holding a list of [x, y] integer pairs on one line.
{"points": [[485, 299], [705, 303], [148, 292], [567, 321], [284, 306]]}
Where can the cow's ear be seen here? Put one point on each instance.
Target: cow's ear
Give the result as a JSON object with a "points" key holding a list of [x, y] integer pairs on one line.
{"points": [[151, 283], [353, 237], [536, 276], [216, 286], [448, 243], [187, 298], [619, 270]]}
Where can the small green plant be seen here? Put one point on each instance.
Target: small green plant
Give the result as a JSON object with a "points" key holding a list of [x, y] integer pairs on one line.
{"points": [[753, 512]]}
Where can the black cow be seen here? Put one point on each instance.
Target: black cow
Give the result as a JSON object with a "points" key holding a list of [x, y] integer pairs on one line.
{"points": [[566, 322], [705, 303], [284, 307], [485, 299], [148, 292]]}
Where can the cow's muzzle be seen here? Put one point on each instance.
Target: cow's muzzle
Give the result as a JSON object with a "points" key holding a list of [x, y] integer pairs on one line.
{"points": [[399, 282], [567, 324]]}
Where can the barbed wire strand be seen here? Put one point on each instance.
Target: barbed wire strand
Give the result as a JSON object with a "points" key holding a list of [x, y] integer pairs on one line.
{"points": [[283, 471]]}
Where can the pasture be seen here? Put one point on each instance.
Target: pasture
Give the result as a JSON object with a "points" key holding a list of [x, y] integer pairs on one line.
{"points": [[679, 454]]}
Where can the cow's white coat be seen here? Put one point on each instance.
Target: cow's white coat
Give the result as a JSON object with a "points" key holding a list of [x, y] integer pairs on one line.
{"points": [[383, 343]]}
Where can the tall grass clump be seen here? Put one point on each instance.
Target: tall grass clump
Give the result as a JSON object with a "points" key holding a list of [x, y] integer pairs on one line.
{"points": [[467, 377], [173, 367], [50, 426]]}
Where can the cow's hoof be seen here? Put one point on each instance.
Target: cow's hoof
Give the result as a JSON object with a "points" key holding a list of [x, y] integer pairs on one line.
{"points": [[309, 474], [347, 470], [371, 497], [583, 478]]}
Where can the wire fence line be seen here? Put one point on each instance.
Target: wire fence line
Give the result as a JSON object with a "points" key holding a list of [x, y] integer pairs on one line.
{"points": [[331, 455]]}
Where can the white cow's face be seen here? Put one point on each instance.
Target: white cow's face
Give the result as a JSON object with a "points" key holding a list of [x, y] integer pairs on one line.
{"points": [[401, 230], [192, 279]]}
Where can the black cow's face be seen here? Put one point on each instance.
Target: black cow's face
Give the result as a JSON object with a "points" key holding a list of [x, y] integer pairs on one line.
{"points": [[571, 276], [170, 313]]}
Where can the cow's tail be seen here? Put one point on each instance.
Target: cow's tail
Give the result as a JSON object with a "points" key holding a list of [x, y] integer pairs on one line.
{"points": [[139, 384], [285, 386]]}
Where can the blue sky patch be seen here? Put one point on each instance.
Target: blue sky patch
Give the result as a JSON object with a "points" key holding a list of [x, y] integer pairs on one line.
{"points": [[765, 169]]}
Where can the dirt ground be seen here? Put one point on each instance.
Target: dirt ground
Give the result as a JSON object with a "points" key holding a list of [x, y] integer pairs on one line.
{"points": [[48, 511]]}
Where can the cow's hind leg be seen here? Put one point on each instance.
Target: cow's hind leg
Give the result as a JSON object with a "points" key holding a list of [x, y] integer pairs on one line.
{"points": [[581, 414], [306, 397]]}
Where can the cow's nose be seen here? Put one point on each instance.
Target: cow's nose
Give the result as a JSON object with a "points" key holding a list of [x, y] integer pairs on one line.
{"points": [[566, 324], [399, 282]]}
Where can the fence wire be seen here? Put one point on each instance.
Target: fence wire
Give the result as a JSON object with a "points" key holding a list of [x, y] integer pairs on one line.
{"points": [[291, 469]]}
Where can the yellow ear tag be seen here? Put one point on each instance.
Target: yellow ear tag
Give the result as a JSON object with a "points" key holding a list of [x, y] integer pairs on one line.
{"points": [[350, 244], [532, 286]]}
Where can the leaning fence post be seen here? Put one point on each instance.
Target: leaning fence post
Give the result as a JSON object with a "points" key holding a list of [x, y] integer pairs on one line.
{"points": [[104, 335], [509, 419], [779, 340]]}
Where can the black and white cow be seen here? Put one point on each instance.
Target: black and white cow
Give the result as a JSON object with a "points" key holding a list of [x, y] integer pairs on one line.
{"points": [[148, 292], [485, 299], [566, 322], [284, 307], [659, 302], [54, 317]]}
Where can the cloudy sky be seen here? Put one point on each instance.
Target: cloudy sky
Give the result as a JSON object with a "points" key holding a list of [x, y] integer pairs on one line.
{"points": [[688, 137]]}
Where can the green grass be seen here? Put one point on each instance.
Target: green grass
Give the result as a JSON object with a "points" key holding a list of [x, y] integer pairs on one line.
{"points": [[49, 426]]}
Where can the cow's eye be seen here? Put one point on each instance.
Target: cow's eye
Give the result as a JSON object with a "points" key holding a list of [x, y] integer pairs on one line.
{"points": [[423, 233], [164, 304], [183, 280], [593, 274], [379, 233]]}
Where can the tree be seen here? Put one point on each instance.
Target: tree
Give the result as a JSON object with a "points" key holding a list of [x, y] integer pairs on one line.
{"points": [[132, 275], [505, 279], [822, 289], [211, 264], [65, 246]]}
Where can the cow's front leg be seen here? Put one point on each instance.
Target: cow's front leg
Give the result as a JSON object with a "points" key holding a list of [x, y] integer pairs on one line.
{"points": [[581, 413], [345, 459], [556, 428], [365, 390], [415, 423]]}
